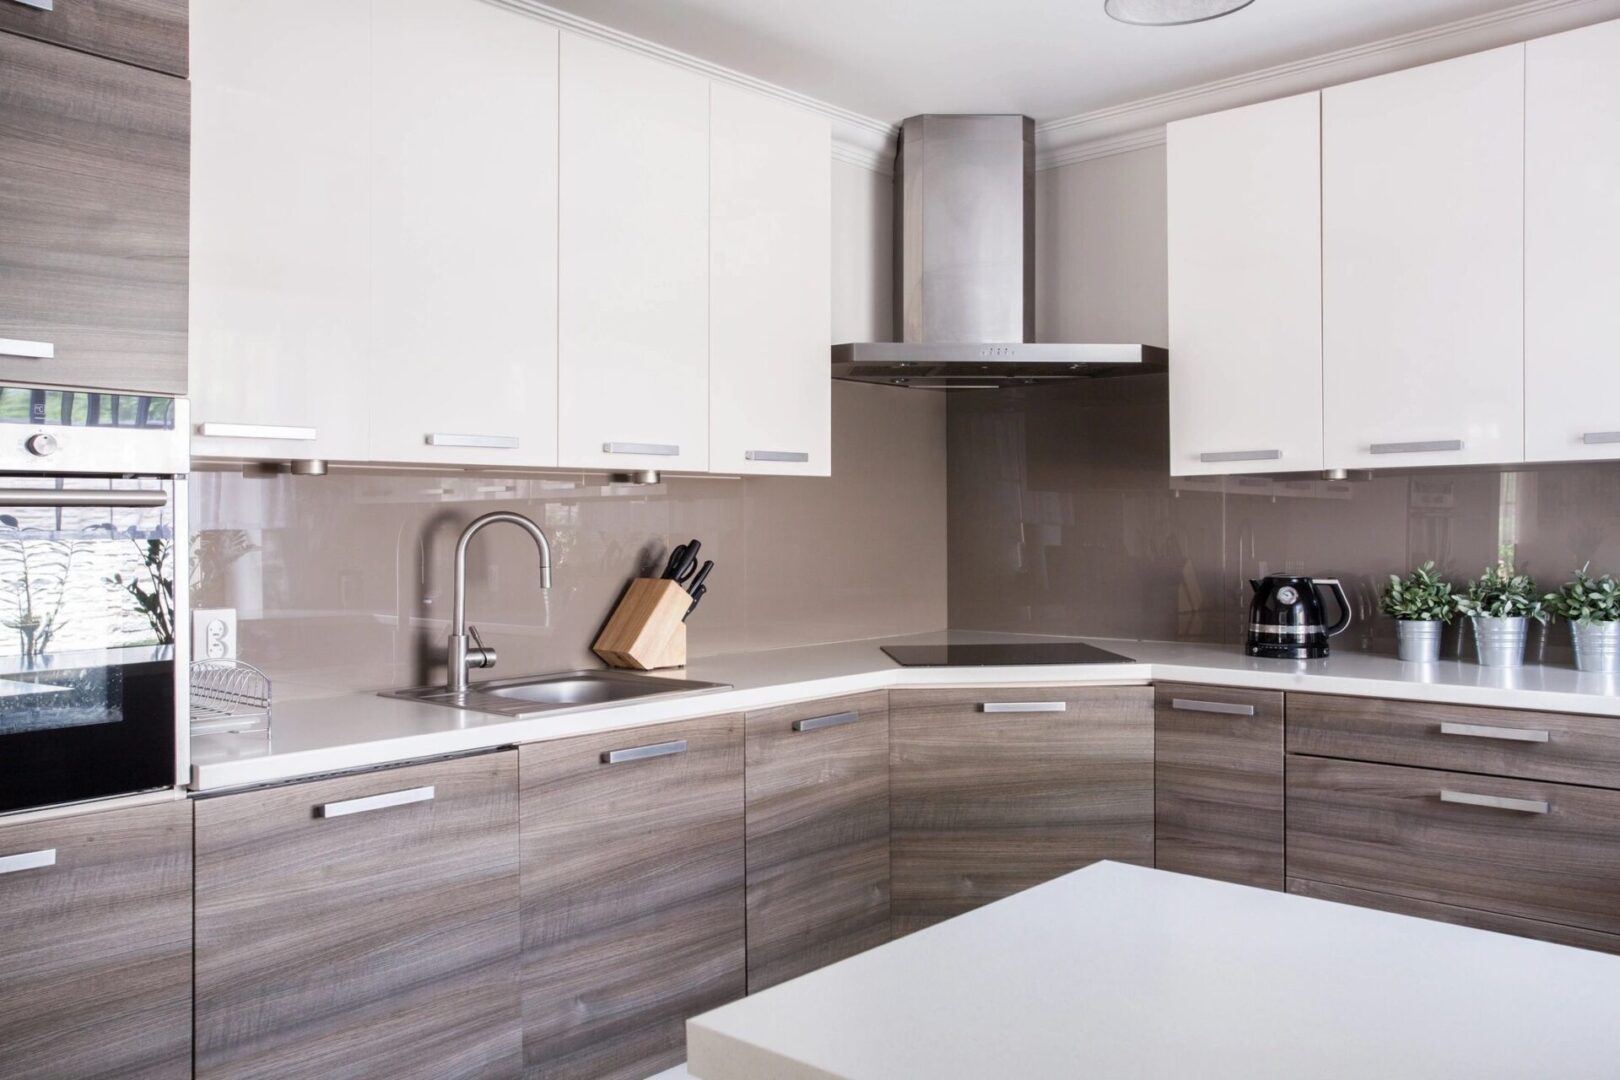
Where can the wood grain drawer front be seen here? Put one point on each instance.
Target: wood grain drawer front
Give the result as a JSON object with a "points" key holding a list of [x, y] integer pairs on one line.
{"points": [[1528, 849], [1218, 783], [95, 946], [984, 804], [1565, 748], [817, 783], [147, 33], [361, 926], [95, 220], [633, 909]]}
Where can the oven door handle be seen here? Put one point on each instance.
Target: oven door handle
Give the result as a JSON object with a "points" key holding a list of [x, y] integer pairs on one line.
{"points": [[80, 497]]}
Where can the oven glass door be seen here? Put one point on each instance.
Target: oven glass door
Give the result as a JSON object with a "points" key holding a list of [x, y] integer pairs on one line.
{"points": [[87, 658]]}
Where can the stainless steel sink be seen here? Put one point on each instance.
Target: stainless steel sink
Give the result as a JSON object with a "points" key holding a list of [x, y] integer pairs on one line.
{"points": [[533, 695]]}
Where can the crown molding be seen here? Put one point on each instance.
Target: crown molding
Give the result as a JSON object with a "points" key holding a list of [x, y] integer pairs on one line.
{"points": [[1139, 124], [856, 139]]}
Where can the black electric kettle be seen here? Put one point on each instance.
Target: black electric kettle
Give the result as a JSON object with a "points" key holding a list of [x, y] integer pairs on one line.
{"points": [[1286, 620]]}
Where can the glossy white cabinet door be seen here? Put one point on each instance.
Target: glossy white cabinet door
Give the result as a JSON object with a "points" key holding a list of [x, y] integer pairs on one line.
{"points": [[633, 308], [770, 286], [280, 260], [464, 228], [1423, 265], [1572, 245], [1245, 220]]}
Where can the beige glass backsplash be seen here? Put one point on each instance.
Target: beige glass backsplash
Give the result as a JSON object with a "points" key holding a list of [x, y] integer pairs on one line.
{"points": [[1063, 519], [342, 582]]}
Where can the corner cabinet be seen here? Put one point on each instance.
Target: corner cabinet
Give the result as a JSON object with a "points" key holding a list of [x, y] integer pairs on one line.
{"points": [[1245, 261]]}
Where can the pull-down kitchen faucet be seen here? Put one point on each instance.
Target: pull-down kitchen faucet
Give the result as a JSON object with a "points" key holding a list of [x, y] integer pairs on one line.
{"points": [[467, 649]]}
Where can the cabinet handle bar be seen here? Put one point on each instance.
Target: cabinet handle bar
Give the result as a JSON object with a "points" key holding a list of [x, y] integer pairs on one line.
{"points": [[1495, 802], [1240, 455], [1025, 706], [1598, 438], [1225, 707], [484, 442], [27, 860], [81, 497], [375, 802], [1482, 731], [256, 431], [775, 455], [642, 753], [816, 723], [644, 448], [28, 350], [1434, 446]]}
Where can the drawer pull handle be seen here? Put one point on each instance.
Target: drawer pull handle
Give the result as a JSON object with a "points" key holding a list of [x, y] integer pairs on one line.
{"points": [[646, 448], [481, 442], [816, 723], [28, 350], [1025, 706], [1598, 438], [642, 753], [1482, 731], [256, 431], [375, 802], [1495, 802], [28, 860], [1217, 456], [1433, 446], [1225, 707], [775, 455], [109, 497]]}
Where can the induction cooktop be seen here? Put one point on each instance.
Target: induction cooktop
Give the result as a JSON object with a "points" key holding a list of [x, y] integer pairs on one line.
{"points": [[1001, 654]]}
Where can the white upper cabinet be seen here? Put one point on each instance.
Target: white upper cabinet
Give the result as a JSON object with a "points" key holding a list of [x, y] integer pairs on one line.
{"points": [[1423, 265], [770, 286], [464, 227], [279, 228], [1245, 260], [633, 312], [1572, 245]]}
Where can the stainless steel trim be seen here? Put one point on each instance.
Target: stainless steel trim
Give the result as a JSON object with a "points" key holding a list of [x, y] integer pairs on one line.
{"points": [[775, 455], [1483, 731], [28, 350], [1024, 706], [1287, 631], [27, 860], [1495, 802], [43, 5], [81, 497], [1225, 707], [484, 442], [256, 431], [403, 797], [1240, 455], [1598, 438], [642, 753], [1433, 446], [816, 723], [646, 448]]}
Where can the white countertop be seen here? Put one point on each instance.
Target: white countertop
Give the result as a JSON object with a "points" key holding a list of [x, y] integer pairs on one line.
{"points": [[358, 730], [1119, 971]]}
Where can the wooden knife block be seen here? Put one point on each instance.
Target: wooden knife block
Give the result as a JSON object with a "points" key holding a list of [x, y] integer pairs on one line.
{"points": [[645, 631]]}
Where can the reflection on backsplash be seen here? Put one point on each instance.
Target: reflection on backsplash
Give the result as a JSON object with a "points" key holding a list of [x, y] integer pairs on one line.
{"points": [[342, 582], [1063, 519]]}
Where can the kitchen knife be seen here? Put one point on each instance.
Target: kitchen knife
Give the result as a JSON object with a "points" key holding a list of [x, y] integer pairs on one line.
{"points": [[696, 596], [697, 581]]}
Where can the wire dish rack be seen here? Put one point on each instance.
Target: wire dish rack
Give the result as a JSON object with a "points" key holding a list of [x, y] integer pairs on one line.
{"points": [[228, 696]]}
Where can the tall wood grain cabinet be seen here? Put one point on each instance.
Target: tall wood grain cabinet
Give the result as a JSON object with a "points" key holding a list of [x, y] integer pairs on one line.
{"points": [[633, 895], [95, 946], [992, 791], [361, 926], [817, 834]]}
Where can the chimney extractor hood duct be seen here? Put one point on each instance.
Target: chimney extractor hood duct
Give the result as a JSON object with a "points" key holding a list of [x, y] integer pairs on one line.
{"points": [[964, 227]]}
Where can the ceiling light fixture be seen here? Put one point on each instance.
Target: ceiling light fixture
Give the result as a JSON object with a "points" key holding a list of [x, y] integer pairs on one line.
{"points": [[1170, 12]]}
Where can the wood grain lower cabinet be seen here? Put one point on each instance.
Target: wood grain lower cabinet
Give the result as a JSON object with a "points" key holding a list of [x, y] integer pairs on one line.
{"points": [[633, 908], [992, 791], [95, 946], [362, 926], [147, 33], [1218, 783], [817, 835]]}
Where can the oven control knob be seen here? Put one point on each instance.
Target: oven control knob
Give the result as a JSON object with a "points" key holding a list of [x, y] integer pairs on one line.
{"points": [[41, 445]]}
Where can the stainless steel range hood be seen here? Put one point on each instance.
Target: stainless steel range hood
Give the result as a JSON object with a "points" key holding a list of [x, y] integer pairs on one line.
{"points": [[965, 268]]}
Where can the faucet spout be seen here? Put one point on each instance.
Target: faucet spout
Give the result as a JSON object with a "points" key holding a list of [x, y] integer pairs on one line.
{"points": [[461, 655]]}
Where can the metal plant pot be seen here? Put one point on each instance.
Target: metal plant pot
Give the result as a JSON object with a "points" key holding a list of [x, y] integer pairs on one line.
{"points": [[1500, 639], [1419, 639], [1597, 646]]}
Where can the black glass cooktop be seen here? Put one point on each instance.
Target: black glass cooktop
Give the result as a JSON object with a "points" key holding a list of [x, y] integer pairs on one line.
{"points": [[1002, 654]]}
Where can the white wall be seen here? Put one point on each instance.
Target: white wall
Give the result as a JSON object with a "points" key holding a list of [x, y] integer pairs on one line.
{"points": [[863, 275], [1100, 251]]}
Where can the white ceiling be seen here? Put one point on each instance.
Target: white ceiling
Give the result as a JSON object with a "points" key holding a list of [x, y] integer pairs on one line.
{"points": [[889, 59]]}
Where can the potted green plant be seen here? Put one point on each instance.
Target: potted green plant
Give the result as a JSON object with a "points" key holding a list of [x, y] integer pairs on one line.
{"points": [[1592, 606], [1421, 605], [1501, 604]]}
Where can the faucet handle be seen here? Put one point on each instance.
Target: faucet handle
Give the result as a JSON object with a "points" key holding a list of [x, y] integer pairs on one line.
{"points": [[480, 655]]}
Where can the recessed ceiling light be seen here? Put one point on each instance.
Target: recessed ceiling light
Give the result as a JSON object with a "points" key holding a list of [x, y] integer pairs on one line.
{"points": [[1171, 12]]}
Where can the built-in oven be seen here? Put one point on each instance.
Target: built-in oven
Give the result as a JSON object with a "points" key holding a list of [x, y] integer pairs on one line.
{"points": [[93, 595]]}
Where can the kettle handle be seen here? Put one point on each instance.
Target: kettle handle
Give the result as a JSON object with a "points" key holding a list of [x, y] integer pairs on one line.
{"points": [[1339, 598]]}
